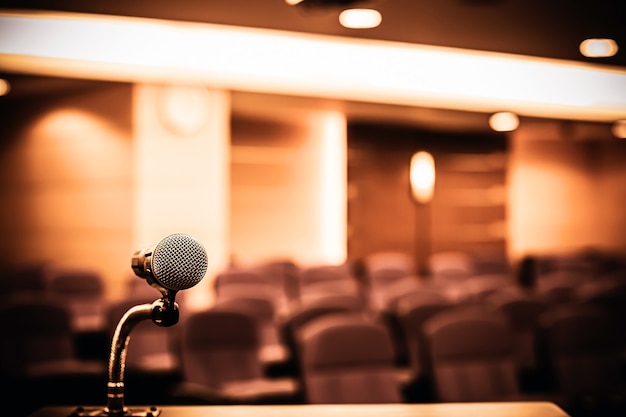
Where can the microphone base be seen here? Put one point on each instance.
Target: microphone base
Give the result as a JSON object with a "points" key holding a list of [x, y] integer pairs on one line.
{"points": [[127, 412]]}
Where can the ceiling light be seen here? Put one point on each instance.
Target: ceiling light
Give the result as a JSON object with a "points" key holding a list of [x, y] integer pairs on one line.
{"points": [[4, 87], [337, 67], [598, 48], [504, 121], [360, 18], [619, 129], [322, 3]]}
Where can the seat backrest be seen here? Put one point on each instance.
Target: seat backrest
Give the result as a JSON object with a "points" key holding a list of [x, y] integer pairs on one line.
{"points": [[36, 330], [390, 261], [22, 278], [522, 311], [478, 287], [451, 264], [583, 348], [608, 294], [314, 309], [472, 353], [138, 290], [313, 292], [347, 359], [383, 293], [385, 276], [251, 283], [285, 273], [262, 310], [557, 287], [83, 292], [318, 273], [411, 311], [219, 346], [324, 305]]}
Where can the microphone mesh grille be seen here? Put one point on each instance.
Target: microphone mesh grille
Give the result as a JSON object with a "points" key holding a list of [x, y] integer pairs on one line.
{"points": [[179, 262]]}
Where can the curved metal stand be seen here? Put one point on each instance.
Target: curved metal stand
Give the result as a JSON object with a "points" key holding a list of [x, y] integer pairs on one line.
{"points": [[163, 312]]}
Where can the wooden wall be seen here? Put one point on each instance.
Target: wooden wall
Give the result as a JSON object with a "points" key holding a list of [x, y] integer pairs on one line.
{"points": [[66, 186], [467, 213], [567, 188], [65, 180], [287, 187]]}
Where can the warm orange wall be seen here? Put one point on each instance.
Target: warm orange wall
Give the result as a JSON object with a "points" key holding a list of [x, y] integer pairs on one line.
{"points": [[567, 190], [288, 180], [65, 181], [68, 178], [88, 179], [468, 208], [180, 160]]}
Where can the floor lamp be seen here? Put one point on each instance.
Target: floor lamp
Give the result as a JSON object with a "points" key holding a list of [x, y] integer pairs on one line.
{"points": [[422, 179]]}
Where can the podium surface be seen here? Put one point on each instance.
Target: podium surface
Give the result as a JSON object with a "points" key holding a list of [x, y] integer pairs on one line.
{"points": [[499, 409]]}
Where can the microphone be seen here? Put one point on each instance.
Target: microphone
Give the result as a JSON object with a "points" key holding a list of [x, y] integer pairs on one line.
{"points": [[176, 262]]}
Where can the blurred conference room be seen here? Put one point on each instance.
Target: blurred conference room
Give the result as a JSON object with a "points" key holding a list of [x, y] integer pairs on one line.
{"points": [[412, 209]]}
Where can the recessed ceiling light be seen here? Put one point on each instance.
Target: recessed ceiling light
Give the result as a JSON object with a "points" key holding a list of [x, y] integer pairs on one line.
{"points": [[4, 87], [504, 121], [619, 129], [360, 18], [598, 48]]}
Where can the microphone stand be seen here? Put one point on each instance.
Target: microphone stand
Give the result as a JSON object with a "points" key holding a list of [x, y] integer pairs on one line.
{"points": [[163, 312]]}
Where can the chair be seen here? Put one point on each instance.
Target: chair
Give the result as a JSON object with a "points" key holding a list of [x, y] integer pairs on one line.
{"points": [[523, 311], [321, 305], [390, 294], [315, 277], [411, 312], [490, 261], [609, 294], [22, 278], [220, 358], [389, 261], [330, 288], [557, 287], [346, 358], [285, 272], [471, 351], [317, 273], [261, 296], [323, 281], [83, 291], [384, 269], [384, 290], [251, 283], [137, 289], [476, 288], [38, 355], [312, 310], [273, 350], [584, 356], [452, 266]]}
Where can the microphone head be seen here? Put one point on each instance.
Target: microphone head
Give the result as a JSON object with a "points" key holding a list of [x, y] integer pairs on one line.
{"points": [[178, 262]]}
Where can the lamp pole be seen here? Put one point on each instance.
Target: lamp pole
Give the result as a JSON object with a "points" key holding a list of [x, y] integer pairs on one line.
{"points": [[422, 238], [422, 180]]}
